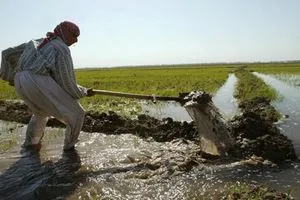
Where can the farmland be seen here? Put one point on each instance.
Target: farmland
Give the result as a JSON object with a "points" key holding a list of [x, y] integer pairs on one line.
{"points": [[164, 81], [170, 81], [158, 81]]}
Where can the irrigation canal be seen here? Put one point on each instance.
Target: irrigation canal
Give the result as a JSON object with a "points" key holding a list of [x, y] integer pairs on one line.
{"points": [[106, 166]]}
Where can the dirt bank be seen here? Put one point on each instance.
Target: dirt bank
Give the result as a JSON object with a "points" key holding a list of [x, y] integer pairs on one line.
{"points": [[255, 133], [111, 123]]}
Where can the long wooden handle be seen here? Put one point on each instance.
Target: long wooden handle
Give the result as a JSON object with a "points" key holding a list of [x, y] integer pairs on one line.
{"points": [[137, 96]]}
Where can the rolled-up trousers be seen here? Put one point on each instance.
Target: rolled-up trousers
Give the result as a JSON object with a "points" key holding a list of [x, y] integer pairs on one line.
{"points": [[45, 98]]}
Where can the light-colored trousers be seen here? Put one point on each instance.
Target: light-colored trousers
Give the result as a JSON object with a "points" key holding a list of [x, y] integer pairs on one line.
{"points": [[46, 98]]}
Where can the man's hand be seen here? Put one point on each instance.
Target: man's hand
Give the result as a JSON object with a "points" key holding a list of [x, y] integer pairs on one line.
{"points": [[90, 92]]}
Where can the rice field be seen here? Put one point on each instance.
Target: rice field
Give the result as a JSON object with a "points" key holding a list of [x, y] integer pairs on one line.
{"points": [[276, 68], [169, 81], [165, 81]]}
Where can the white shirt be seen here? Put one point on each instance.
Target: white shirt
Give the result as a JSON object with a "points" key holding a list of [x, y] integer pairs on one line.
{"points": [[53, 59]]}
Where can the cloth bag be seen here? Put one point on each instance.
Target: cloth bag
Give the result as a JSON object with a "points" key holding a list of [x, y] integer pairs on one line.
{"points": [[9, 62]]}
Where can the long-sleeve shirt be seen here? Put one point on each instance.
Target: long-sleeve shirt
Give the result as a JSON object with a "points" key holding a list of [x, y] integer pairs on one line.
{"points": [[53, 59]]}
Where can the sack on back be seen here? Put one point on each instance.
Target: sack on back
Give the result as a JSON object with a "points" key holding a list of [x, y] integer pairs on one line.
{"points": [[9, 62]]}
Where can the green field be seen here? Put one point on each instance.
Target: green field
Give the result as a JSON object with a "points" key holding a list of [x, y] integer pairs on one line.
{"points": [[168, 81], [164, 81], [159, 81]]}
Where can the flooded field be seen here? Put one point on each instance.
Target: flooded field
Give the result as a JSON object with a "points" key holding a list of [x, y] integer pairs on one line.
{"points": [[117, 166], [290, 79], [288, 105]]}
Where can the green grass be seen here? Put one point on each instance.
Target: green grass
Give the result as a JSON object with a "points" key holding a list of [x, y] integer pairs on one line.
{"points": [[159, 81], [250, 86], [246, 191], [7, 91]]}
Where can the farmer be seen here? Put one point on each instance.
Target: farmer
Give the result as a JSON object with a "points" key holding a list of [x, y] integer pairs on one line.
{"points": [[45, 80]]}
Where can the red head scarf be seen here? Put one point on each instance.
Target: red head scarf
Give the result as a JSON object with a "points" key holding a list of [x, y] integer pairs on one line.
{"points": [[66, 30]]}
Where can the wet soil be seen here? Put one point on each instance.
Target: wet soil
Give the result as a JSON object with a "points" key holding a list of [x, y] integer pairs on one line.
{"points": [[256, 134], [253, 130], [111, 123]]}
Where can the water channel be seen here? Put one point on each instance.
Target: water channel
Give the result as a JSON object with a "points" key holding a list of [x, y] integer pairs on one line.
{"points": [[223, 100], [289, 105], [108, 166]]}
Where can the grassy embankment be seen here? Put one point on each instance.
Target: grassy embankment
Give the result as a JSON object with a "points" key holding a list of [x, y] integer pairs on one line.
{"points": [[249, 86]]}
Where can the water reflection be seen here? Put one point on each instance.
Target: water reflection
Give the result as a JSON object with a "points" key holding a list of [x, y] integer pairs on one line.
{"points": [[224, 98], [289, 106], [162, 110], [291, 79]]}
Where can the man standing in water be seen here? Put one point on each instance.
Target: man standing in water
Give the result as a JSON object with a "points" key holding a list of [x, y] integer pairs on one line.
{"points": [[45, 80]]}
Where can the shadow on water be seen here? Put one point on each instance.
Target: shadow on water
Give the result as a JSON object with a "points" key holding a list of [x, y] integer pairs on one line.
{"points": [[223, 99], [28, 178]]}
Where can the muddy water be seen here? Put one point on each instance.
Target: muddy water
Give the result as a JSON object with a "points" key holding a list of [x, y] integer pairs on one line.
{"points": [[289, 105], [104, 167], [110, 167], [223, 99]]}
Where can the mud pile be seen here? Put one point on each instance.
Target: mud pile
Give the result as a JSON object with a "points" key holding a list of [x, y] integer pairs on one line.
{"points": [[14, 111], [144, 126], [256, 134], [111, 123]]}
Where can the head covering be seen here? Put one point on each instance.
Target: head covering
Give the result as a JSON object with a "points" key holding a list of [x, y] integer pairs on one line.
{"points": [[67, 31]]}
